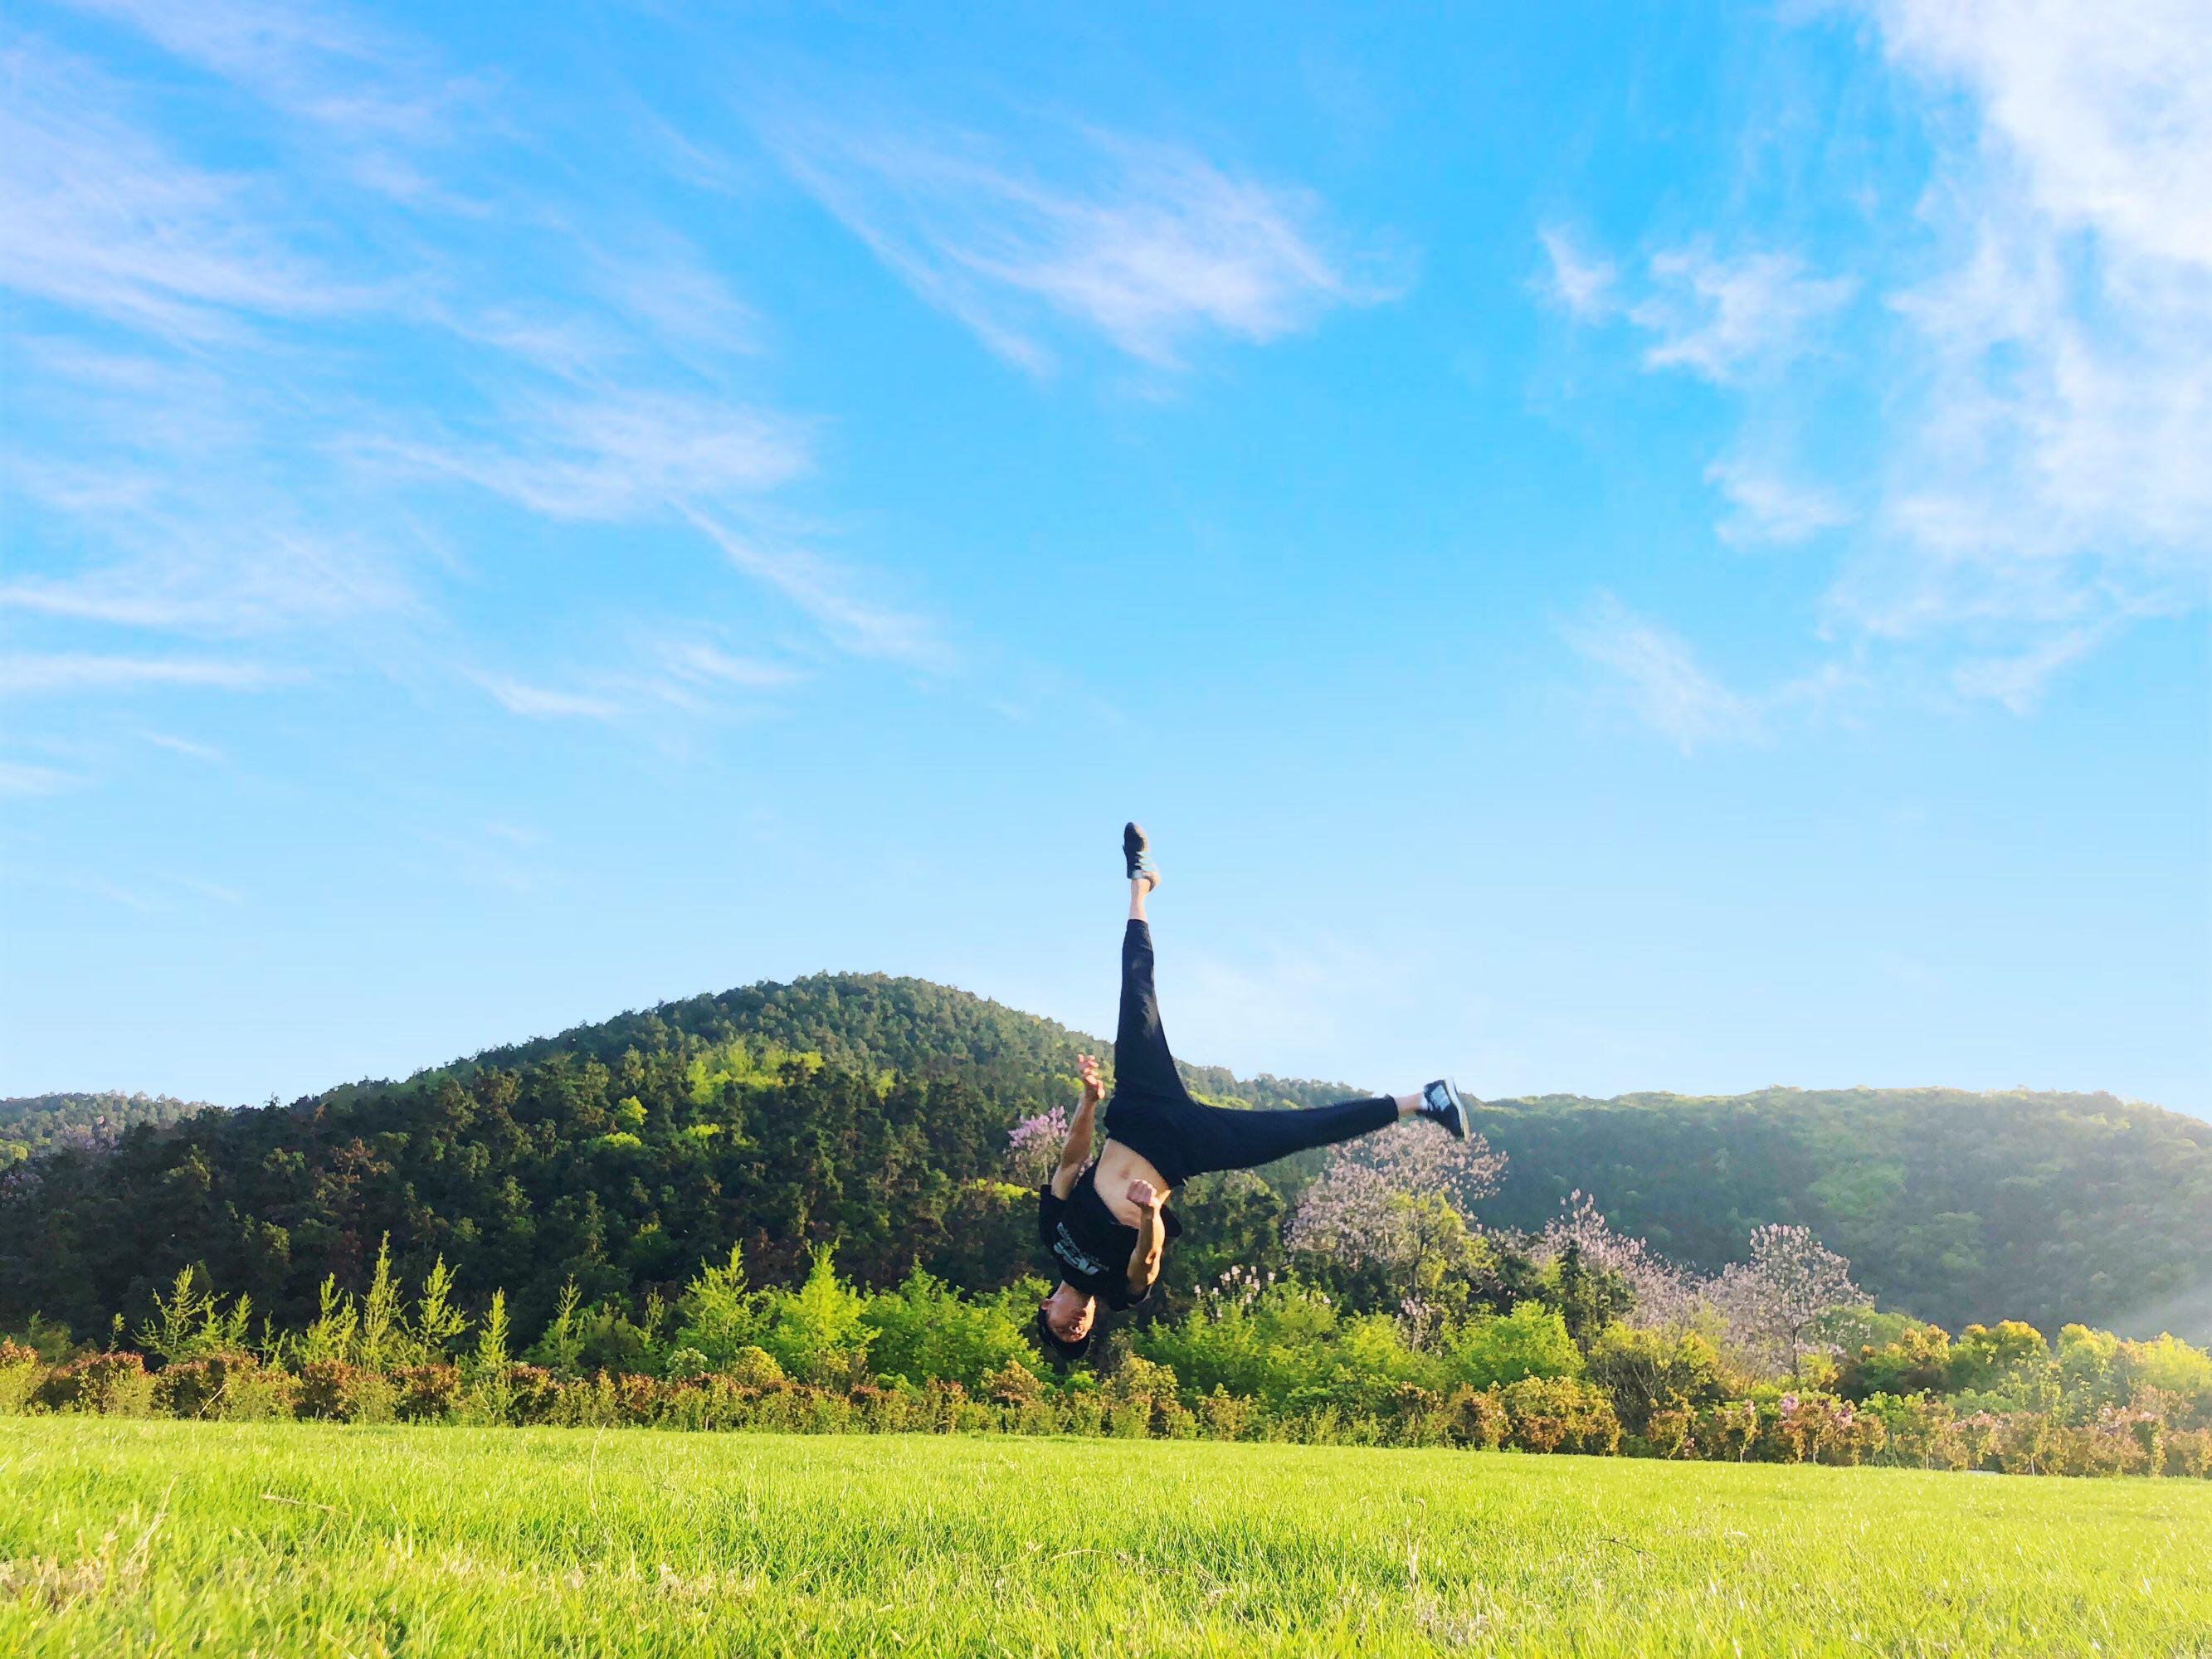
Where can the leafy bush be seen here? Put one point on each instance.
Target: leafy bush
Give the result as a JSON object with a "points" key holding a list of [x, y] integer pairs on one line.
{"points": [[1645, 1373], [1476, 1418], [2189, 1453], [1916, 1361], [1814, 1427], [1725, 1432], [1531, 1341], [427, 1393], [1559, 1414], [196, 1387], [2009, 1360], [257, 1393], [1013, 1384], [819, 1332], [22, 1371], [530, 1394], [333, 1390], [112, 1384], [925, 1329]]}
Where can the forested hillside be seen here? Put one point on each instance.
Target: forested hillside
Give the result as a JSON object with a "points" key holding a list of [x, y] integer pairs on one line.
{"points": [[872, 1023], [1957, 1206], [872, 1113], [855, 1109], [35, 1123]]}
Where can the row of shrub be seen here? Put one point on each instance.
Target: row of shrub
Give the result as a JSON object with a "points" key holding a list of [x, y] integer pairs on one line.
{"points": [[1139, 1399]]}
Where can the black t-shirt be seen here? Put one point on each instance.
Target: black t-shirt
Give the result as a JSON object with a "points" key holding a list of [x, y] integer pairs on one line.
{"points": [[1090, 1247]]}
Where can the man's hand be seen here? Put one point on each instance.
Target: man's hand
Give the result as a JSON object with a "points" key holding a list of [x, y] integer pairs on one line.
{"points": [[1094, 1090], [1146, 1196]]}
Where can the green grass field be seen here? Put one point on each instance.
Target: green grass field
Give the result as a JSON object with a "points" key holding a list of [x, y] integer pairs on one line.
{"points": [[125, 1537]]}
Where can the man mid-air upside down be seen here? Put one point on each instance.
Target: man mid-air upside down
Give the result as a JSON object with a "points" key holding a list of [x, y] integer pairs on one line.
{"points": [[1105, 1225]]}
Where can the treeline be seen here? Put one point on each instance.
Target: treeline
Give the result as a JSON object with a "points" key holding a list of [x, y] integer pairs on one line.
{"points": [[619, 1178], [2046, 1207], [812, 1207], [31, 1124], [1252, 1359], [872, 1114], [858, 1110]]}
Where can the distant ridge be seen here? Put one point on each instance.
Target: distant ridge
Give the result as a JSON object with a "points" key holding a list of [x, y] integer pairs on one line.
{"points": [[35, 1123], [1960, 1206]]}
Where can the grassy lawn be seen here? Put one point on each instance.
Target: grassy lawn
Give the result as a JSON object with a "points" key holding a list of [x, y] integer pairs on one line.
{"points": [[123, 1537]]}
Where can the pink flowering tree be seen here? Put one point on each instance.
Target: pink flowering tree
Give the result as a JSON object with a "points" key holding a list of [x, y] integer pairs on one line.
{"points": [[1774, 1303], [1398, 1203], [1668, 1297], [1768, 1312], [1033, 1147]]}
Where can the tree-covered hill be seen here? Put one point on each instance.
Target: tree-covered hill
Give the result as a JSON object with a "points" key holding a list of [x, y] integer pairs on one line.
{"points": [[871, 1112], [1955, 1207], [30, 1124], [872, 1023], [855, 1109]]}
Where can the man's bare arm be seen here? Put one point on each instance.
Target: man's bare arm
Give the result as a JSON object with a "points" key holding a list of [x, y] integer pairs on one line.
{"points": [[1151, 1237], [1076, 1152]]}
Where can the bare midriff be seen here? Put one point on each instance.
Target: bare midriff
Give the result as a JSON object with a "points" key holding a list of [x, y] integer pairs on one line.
{"points": [[1119, 1165]]}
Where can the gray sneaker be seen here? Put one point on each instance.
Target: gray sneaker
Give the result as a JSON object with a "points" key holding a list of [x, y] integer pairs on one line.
{"points": [[1440, 1103]]}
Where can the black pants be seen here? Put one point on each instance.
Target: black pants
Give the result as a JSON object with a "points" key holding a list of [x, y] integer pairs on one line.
{"points": [[1153, 1113]]}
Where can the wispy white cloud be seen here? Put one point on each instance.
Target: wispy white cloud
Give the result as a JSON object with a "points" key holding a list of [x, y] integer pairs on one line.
{"points": [[23, 673], [376, 98], [1581, 282], [2048, 483], [213, 890], [697, 675], [2099, 110], [2019, 678], [615, 453], [543, 703], [1147, 245], [2041, 358], [698, 661], [104, 218], [177, 746], [115, 895], [215, 448], [1721, 318], [833, 597], [171, 566], [1655, 674], [17, 778], [1766, 506], [659, 280], [165, 471]]}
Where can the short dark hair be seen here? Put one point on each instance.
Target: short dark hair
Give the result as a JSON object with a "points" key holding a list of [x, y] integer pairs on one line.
{"points": [[1056, 1346]]}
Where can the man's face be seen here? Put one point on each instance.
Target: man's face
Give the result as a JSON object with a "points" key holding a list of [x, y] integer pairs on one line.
{"points": [[1070, 1313]]}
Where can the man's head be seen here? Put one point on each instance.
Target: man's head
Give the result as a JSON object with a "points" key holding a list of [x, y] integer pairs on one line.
{"points": [[1063, 1319]]}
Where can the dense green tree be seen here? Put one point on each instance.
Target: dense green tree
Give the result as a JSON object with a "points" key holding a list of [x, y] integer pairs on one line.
{"points": [[30, 1124]]}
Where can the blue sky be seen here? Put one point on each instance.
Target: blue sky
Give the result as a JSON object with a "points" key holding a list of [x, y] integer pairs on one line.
{"points": [[1614, 548]]}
